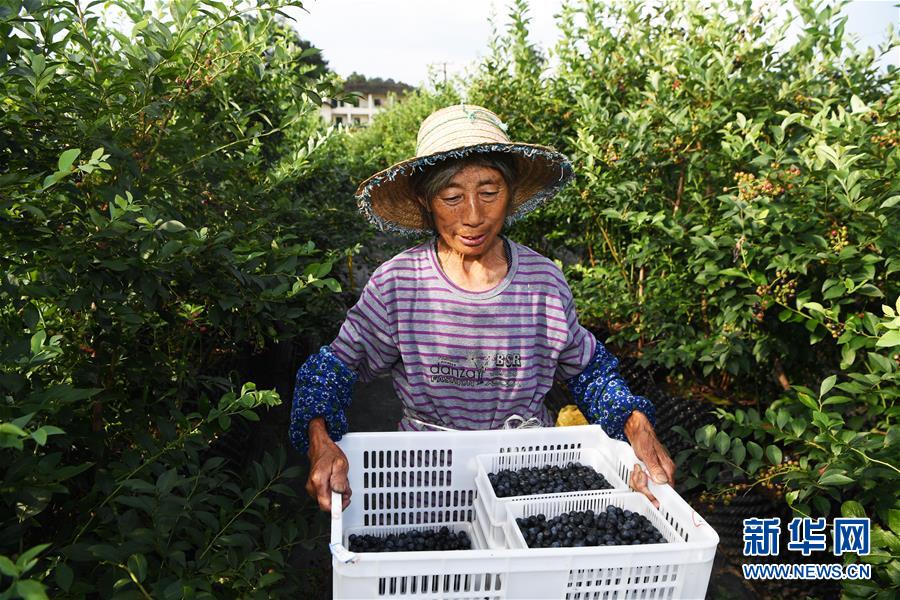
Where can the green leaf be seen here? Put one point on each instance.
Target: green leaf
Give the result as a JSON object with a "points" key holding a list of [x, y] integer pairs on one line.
{"points": [[723, 442], [893, 520], [64, 576], [892, 437], [783, 418], [26, 559], [791, 497], [8, 567], [889, 339], [892, 201], [31, 590], [813, 306], [773, 453], [137, 564], [821, 504], [139, 485], [738, 452], [848, 356], [249, 415], [705, 434], [172, 226], [269, 579], [37, 341], [755, 450], [167, 481], [280, 488], [39, 436], [827, 384], [834, 479], [66, 159], [807, 401], [857, 105], [10, 429], [852, 509]]}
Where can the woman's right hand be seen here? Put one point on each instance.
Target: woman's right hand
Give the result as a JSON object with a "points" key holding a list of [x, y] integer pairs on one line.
{"points": [[328, 467]]}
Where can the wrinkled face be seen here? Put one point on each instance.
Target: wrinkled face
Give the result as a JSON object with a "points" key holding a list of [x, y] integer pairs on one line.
{"points": [[469, 212]]}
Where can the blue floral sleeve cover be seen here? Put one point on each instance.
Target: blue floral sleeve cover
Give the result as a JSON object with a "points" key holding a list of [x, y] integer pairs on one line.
{"points": [[324, 388], [603, 396]]}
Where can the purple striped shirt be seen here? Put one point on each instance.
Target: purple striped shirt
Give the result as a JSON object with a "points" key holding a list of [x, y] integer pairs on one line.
{"points": [[460, 359]]}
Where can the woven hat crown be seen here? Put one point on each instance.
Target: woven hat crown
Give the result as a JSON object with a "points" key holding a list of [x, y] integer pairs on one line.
{"points": [[458, 126]]}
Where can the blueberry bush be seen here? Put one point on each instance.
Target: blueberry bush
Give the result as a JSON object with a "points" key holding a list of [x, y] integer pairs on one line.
{"points": [[732, 220], [162, 219]]}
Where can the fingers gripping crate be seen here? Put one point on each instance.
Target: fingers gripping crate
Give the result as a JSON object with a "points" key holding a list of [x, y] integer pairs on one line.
{"points": [[440, 488], [491, 509]]}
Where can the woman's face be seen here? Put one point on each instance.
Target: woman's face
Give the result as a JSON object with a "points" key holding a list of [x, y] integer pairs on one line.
{"points": [[469, 212]]}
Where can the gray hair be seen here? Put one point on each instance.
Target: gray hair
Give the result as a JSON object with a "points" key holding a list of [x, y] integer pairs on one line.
{"points": [[431, 181]]}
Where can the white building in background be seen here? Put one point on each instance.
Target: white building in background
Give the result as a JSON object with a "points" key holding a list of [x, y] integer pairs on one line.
{"points": [[336, 112], [374, 94]]}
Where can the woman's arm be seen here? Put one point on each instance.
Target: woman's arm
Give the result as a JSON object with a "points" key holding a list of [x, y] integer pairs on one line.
{"points": [[363, 349], [592, 375], [604, 398], [324, 388]]}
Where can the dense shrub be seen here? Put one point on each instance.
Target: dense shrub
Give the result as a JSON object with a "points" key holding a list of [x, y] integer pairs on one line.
{"points": [[161, 219], [732, 220]]}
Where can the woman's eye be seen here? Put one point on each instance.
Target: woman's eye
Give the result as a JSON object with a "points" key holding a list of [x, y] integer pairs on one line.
{"points": [[452, 199]]}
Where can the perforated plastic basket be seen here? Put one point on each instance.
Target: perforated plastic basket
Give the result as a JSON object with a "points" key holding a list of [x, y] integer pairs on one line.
{"points": [[493, 508], [494, 535], [407, 478], [550, 508]]}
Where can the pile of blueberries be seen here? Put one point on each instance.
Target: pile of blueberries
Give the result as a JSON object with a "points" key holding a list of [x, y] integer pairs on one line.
{"points": [[612, 527], [549, 479], [411, 541]]}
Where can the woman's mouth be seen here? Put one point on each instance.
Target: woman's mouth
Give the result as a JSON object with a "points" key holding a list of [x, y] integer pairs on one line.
{"points": [[472, 241]]}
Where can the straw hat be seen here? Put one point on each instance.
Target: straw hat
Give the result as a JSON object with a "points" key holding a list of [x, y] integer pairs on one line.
{"points": [[387, 198]]}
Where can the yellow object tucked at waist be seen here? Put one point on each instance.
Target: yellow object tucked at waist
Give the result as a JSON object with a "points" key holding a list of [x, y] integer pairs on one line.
{"points": [[570, 415]]}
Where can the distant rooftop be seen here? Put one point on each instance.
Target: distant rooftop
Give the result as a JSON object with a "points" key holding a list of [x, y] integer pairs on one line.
{"points": [[375, 85]]}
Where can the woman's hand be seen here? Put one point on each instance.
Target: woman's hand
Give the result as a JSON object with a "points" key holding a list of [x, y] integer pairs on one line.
{"points": [[328, 467], [647, 448]]}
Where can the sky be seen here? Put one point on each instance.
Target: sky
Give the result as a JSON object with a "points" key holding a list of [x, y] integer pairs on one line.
{"points": [[402, 39]]}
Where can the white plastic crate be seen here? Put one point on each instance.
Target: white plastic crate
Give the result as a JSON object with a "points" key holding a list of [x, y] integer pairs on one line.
{"points": [[419, 478], [494, 508], [494, 535]]}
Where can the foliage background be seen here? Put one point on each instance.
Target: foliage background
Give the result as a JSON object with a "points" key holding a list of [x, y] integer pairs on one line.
{"points": [[173, 214], [165, 217], [732, 220]]}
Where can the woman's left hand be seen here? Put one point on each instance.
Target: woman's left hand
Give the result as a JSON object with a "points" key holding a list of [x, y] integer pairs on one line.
{"points": [[647, 448]]}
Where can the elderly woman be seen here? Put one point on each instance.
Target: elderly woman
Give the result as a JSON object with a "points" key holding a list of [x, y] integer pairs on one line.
{"points": [[472, 326]]}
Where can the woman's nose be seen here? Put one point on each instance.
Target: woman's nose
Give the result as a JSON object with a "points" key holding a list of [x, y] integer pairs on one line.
{"points": [[474, 213]]}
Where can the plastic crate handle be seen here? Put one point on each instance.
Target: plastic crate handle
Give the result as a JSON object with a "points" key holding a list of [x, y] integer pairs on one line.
{"points": [[336, 546]]}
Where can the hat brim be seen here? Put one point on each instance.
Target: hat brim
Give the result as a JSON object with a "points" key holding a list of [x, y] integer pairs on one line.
{"points": [[387, 199]]}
